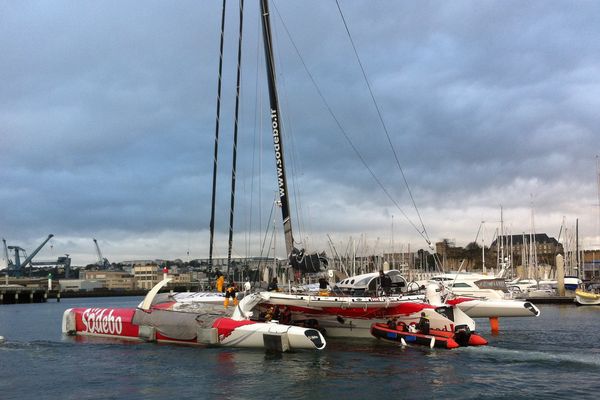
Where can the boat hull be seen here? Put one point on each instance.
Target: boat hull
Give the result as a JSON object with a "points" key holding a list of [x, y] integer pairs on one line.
{"points": [[584, 298], [476, 308], [353, 316], [435, 338], [166, 326]]}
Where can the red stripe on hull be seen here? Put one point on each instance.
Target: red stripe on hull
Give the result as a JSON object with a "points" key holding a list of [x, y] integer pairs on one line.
{"points": [[106, 321]]}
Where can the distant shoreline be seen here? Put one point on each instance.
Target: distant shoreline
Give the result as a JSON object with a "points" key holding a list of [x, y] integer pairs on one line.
{"points": [[96, 293]]}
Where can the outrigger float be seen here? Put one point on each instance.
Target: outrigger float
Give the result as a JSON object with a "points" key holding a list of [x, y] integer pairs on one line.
{"points": [[161, 319], [460, 336]]}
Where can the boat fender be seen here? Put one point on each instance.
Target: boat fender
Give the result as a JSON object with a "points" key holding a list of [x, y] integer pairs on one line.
{"points": [[432, 342], [403, 342]]}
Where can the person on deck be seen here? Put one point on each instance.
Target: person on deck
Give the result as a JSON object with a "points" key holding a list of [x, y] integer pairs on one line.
{"points": [[231, 293], [386, 283], [286, 316], [220, 281], [269, 313], [273, 286], [424, 324], [323, 287]]}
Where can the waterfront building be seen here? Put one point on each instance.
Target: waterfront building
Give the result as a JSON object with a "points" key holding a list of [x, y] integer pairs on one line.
{"points": [[80, 285], [146, 275], [591, 265], [519, 248], [113, 280]]}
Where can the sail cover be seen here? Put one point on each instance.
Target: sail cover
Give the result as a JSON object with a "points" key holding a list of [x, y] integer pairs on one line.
{"points": [[314, 262]]}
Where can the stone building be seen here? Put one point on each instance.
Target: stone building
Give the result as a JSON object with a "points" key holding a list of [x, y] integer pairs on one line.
{"points": [[520, 248]]}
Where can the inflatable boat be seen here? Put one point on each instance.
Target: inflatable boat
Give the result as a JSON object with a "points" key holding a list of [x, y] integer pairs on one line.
{"points": [[460, 336]]}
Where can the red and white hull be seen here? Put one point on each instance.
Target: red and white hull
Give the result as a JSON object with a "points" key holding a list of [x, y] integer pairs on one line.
{"points": [[353, 316], [167, 326]]}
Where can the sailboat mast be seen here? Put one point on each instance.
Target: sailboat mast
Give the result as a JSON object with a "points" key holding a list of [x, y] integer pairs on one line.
{"points": [[214, 178], [235, 136], [276, 126], [577, 247]]}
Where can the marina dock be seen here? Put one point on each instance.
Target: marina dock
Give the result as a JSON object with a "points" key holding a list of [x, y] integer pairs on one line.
{"points": [[15, 294], [552, 300]]}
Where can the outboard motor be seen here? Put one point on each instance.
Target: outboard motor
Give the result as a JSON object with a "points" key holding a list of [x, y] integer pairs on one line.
{"points": [[462, 334]]}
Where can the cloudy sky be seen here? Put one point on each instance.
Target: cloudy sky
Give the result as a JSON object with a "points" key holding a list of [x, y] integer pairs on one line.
{"points": [[107, 121]]}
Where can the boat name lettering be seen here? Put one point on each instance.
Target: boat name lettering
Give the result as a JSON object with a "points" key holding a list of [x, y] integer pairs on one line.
{"points": [[96, 320], [278, 157]]}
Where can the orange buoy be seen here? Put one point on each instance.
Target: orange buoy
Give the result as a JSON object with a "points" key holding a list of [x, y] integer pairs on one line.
{"points": [[494, 325]]}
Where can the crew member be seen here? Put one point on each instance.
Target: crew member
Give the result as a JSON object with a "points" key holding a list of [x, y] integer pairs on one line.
{"points": [[220, 281], [273, 286], [386, 283], [323, 287], [424, 324], [230, 293], [392, 323], [286, 316]]}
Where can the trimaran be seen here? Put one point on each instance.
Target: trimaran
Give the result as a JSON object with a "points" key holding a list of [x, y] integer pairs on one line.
{"points": [[194, 318]]}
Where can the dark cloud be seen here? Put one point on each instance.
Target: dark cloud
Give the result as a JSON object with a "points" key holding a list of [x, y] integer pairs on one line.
{"points": [[107, 119]]}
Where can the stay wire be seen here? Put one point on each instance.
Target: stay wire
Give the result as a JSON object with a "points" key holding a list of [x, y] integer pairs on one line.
{"points": [[381, 119], [422, 233]]}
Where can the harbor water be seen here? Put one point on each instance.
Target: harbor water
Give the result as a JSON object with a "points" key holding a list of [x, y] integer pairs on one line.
{"points": [[554, 356]]}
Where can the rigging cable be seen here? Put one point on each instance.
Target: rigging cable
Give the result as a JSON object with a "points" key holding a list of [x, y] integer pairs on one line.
{"points": [[423, 232], [214, 180], [382, 120], [235, 136]]}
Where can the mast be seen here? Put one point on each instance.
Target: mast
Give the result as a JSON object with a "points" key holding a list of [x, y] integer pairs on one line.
{"points": [[235, 137], [502, 238], [277, 129], [214, 179], [577, 246], [483, 247]]}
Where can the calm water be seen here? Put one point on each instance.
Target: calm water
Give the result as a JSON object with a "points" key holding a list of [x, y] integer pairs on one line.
{"points": [[554, 356]]}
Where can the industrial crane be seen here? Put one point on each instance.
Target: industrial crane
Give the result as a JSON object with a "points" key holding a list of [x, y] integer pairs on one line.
{"points": [[102, 261], [18, 267], [5, 260]]}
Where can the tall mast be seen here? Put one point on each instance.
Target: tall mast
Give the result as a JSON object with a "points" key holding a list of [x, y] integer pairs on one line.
{"points": [[577, 246], [235, 137], [214, 179], [501, 237], [276, 126]]}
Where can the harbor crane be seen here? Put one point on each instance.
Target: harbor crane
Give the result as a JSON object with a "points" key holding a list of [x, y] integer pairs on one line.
{"points": [[5, 259], [17, 267], [102, 261]]}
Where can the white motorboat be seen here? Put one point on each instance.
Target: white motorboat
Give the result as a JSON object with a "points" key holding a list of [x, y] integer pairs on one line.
{"points": [[474, 285], [478, 307]]}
